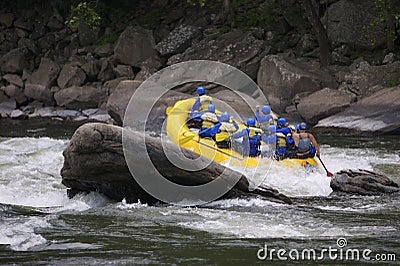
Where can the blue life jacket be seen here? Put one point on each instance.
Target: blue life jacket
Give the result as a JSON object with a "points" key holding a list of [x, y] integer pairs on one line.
{"points": [[284, 130]]}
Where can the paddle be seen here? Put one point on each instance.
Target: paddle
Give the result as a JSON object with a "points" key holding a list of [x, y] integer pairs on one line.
{"points": [[327, 172], [187, 138]]}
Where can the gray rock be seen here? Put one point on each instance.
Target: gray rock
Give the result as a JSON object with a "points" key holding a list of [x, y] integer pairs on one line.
{"points": [[38, 31], [38, 85], [237, 48], [378, 113], [86, 35], [340, 59], [21, 33], [306, 44], [64, 113], [389, 58], [324, 103], [23, 24], [44, 112], [6, 19], [3, 96], [111, 85], [178, 40], [71, 75], [104, 50], [79, 97], [124, 71], [14, 61], [364, 77], [282, 78], [106, 118], [80, 118], [106, 71], [135, 45], [16, 93], [55, 23], [356, 13], [14, 79], [18, 114], [7, 107], [148, 68], [92, 69], [94, 161], [90, 111], [119, 99], [362, 182]]}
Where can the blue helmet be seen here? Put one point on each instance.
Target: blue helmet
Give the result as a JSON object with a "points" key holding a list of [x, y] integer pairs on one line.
{"points": [[266, 109], [201, 91], [297, 128], [211, 108], [272, 128], [281, 122], [224, 117], [251, 122], [303, 126]]}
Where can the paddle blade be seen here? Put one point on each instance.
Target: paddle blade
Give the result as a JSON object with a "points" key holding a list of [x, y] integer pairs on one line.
{"points": [[188, 136], [168, 110], [329, 174]]}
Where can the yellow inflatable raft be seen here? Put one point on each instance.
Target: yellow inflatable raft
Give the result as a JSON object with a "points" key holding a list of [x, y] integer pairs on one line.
{"points": [[181, 135]]}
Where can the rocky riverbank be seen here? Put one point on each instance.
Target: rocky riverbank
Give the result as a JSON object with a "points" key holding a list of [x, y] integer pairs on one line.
{"points": [[50, 71]]}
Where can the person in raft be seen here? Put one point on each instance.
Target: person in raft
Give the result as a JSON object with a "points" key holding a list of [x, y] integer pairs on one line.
{"points": [[202, 101], [226, 128], [198, 108], [251, 138], [306, 145], [284, 140], [264, 118], [269, 139], [208, 121]]}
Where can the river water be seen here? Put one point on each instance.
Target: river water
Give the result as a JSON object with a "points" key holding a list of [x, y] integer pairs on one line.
{"points": [[40, 225]]}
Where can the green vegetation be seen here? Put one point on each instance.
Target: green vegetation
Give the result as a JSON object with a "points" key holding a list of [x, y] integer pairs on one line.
{"points": [[83, 14], [392, 83], [389, 19], [111, 38]]}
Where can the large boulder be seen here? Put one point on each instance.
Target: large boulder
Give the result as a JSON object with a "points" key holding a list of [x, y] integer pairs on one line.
{"points": [[178, 40], [14, 79], [119, 99], [378, 113], [364, 79], [71, 75], [362, 182], [16, 93], [38, 85], [237, 48], [14, 61], [6, 19], [79, 97], [282, 78], [94, 161], [135, 44], [324, 103], [358, 14]]}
